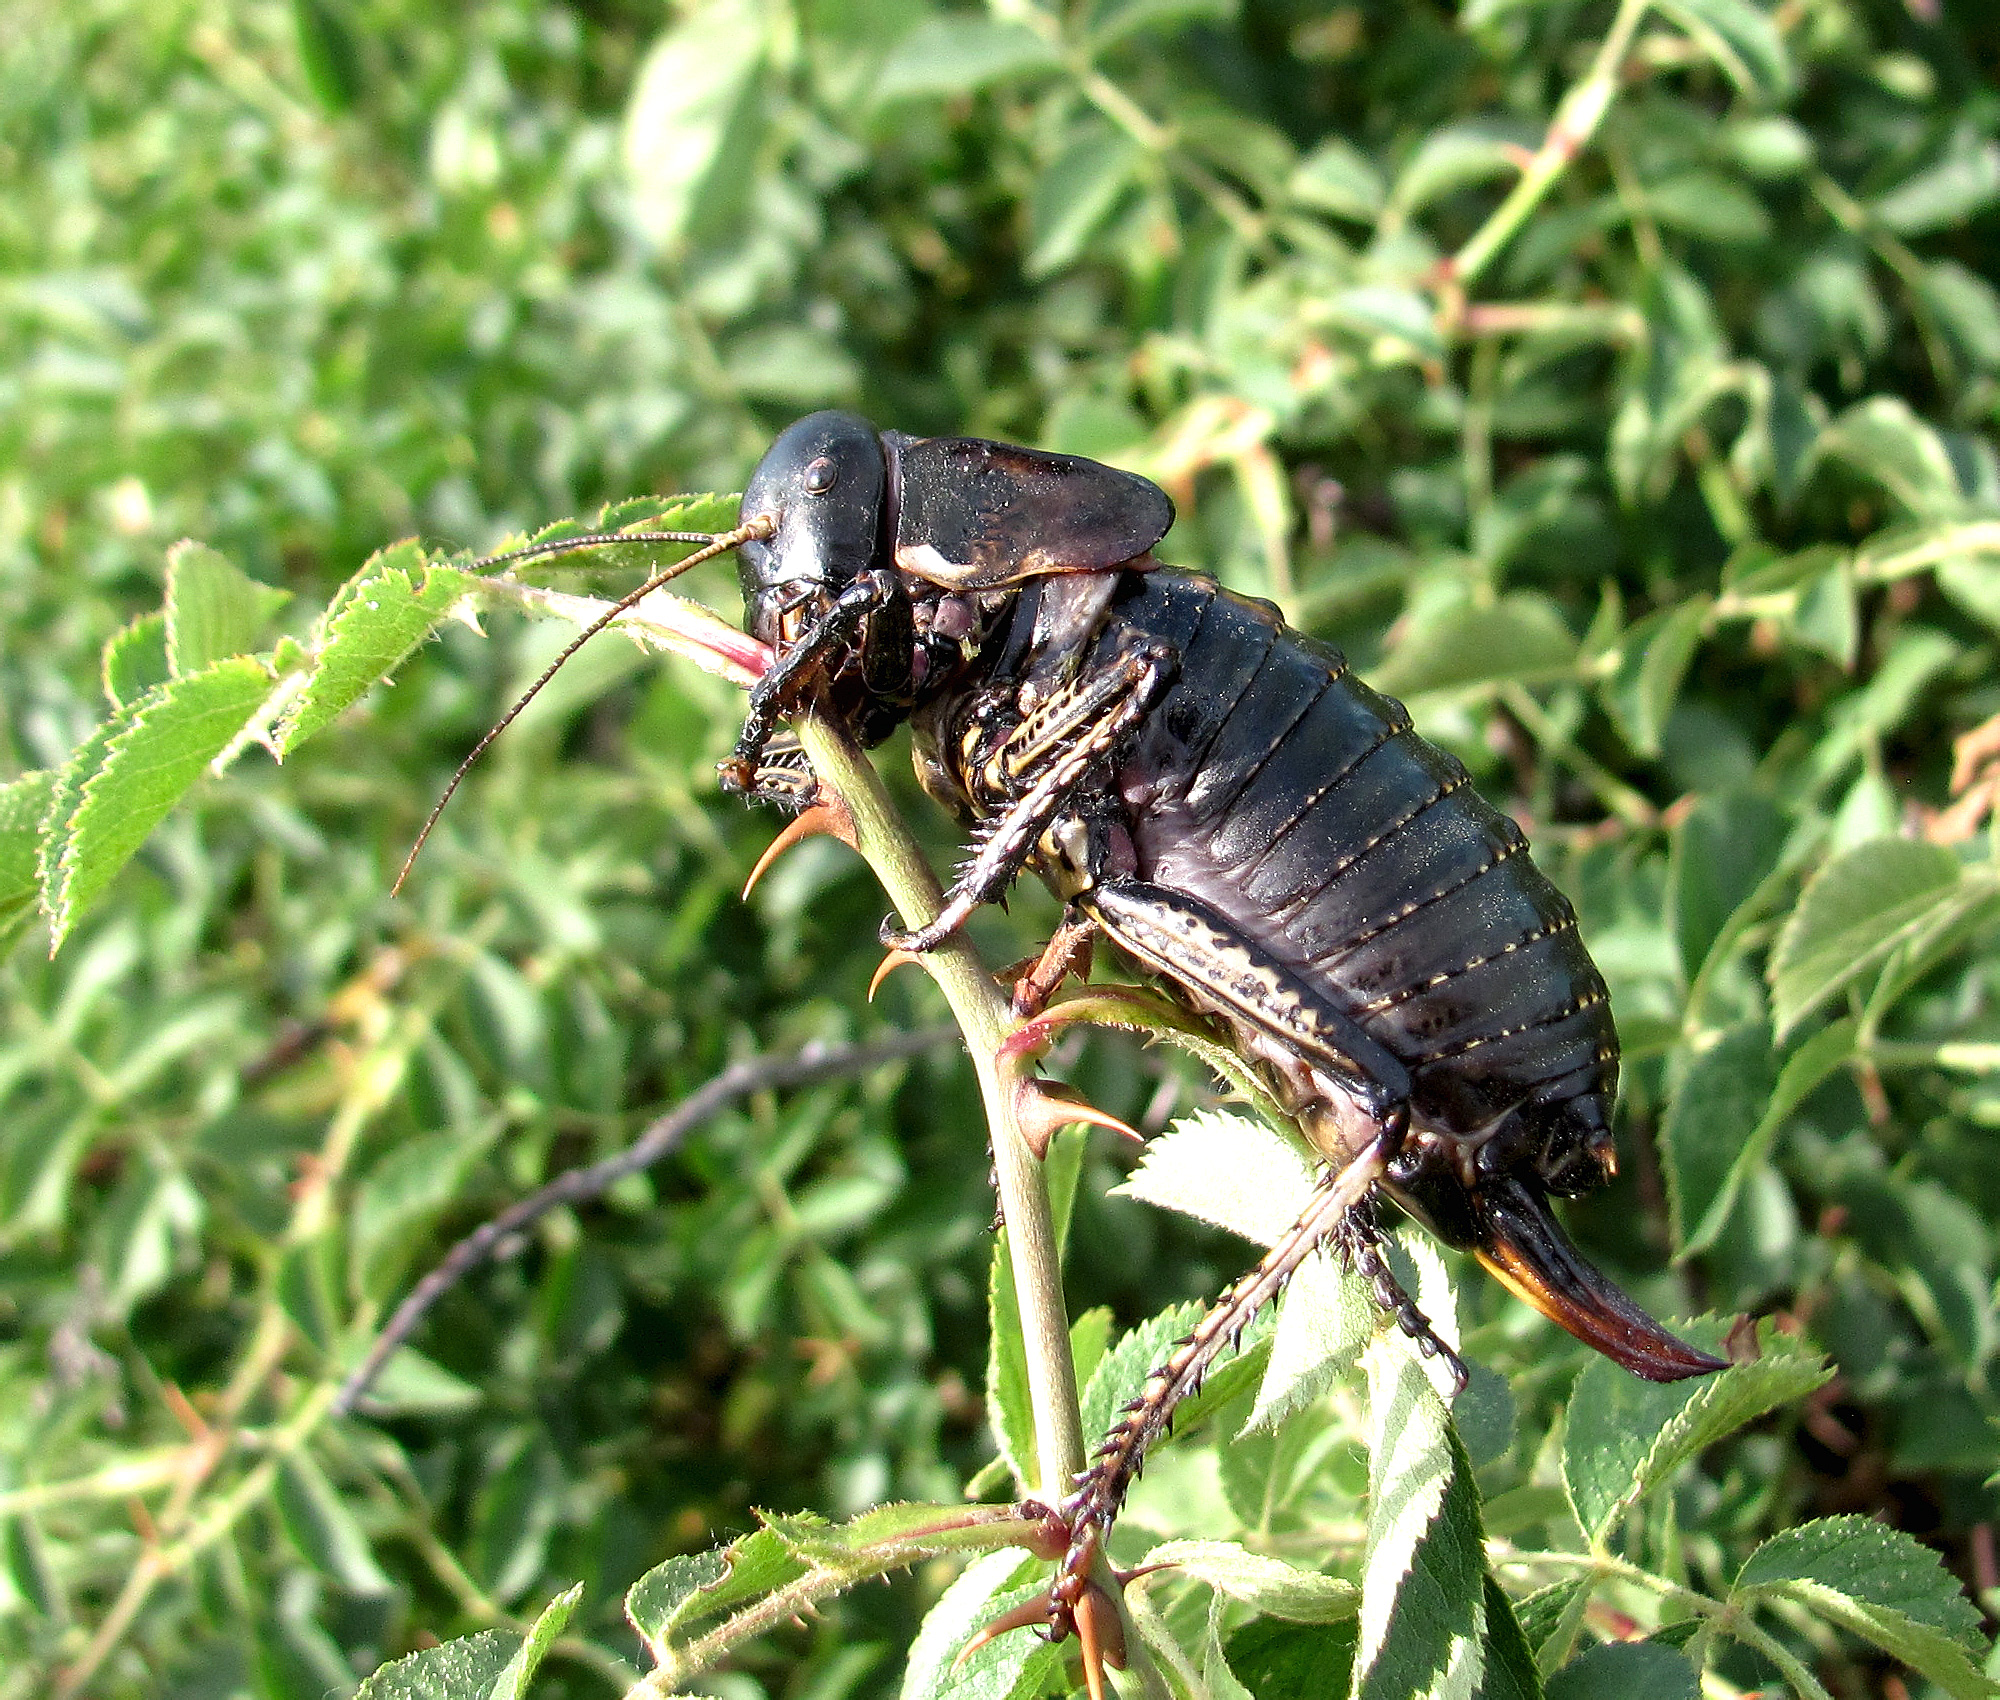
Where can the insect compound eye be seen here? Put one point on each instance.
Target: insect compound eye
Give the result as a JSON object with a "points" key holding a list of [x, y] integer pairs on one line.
{"points": [[821, 476]]}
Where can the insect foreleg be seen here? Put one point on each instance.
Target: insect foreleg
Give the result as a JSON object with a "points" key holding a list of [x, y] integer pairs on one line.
{"points": [[779, 691], [1041, 774]]}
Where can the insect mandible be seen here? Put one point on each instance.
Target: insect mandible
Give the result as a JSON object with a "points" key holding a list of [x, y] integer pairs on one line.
{"points": [[1217, 796]]}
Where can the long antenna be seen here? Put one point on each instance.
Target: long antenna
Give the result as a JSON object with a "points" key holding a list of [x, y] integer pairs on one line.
{"points": [[714, 544]]}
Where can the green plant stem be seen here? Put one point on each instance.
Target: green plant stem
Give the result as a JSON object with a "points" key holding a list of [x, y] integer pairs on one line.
{"points": [[986, 1019], [1575, 122]]}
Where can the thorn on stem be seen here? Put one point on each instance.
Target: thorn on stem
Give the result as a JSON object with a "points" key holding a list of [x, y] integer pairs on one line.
{"points": [[828, 817]]}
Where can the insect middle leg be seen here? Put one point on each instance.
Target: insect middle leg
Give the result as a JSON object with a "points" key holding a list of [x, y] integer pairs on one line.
{"points": [[1038, 768]]}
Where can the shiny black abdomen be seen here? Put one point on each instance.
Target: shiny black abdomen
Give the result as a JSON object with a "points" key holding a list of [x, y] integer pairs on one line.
{"points": [[1298, 803]]}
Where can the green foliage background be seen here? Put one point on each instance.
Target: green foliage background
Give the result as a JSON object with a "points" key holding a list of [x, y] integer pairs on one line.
{"points": [[1675, 510]]}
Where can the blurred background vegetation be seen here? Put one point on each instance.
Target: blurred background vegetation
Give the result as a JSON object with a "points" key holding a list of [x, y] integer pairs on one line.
{"points": [[1673, 507]]}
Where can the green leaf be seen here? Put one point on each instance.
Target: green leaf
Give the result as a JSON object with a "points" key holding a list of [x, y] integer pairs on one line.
{"points": [[1457, 157], [1006, 1668], [1510, 1672], [1550, 1617], [671, 1593], [1010, 1412], [1076, 194], [1229, 1170], [412, 1384], [24, 806], [1653, 658], [1721, 853], [320, 1525], [1326, 1316], [958, 55], [1720, 1096], [1880, 1584], [214, 610], [690, 107], [1380, 315], [1288, 1661], [1959, 187], [457, 1670], [140, 766], [402, 1196], [1805, 1069], [328, 54], [370, 629], [1626, 1670], [512, 1683], [1460, 646], [1625, 1436], [135, 659], [1741, 39], [1883, 440], [1857, 909], [1268, 1585], [1112, 21], [1339, 179], [1423, 1614]]}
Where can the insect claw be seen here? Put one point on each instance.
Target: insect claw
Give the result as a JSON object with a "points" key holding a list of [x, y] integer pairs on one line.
{"points": [[888, 965], [827, 817]]}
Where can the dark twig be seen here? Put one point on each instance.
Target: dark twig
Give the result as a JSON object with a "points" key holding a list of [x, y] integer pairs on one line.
{"points": [[759, 1074]]}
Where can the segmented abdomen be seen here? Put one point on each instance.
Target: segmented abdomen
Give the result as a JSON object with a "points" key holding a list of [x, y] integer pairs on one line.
{"points": [[1280, 790]]}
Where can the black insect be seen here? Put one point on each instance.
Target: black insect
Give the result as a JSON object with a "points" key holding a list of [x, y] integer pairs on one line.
{"points": [[1220, 798]]}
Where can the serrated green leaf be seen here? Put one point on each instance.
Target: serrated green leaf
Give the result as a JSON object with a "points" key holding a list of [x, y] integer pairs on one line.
{"points": [[1324, 1319], [1741, 39], [214, 609], [378, 619], [695, 92], [1521, 638], [1232, 1171], [1857, 909], [512, 1683], [1010, 1412], [958, 55], [1878, 1583], [324, 1530], [1626, 1670], [1269, 1585], [1721, 1094], [1276, 1660], [1423, 1614], [144, 762], [24, 807], [896, 1534], [1510, 1672], [135, 659], [457, 1670], [1625, 1436], [1805, 1069], [1550, 1617], [705, 512], [670, 1594]]}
